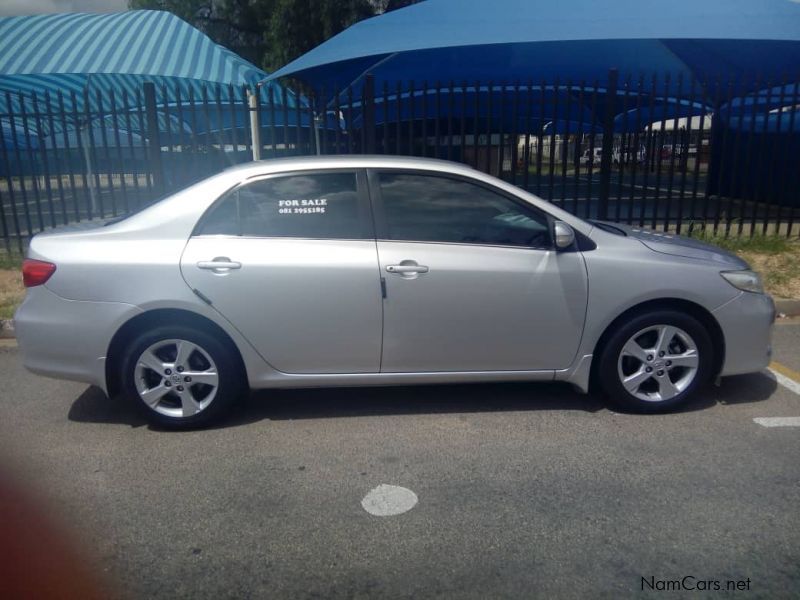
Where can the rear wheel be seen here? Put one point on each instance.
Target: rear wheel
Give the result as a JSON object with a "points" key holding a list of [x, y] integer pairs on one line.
{"points": [[181, 378], [656, 361]]}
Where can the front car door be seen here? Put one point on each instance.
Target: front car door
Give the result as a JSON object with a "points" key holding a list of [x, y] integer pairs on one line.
{"points": [[290, 261], [473, 282]]}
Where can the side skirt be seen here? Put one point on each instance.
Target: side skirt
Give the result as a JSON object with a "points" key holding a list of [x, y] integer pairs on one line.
{"points": [[285, 380]]}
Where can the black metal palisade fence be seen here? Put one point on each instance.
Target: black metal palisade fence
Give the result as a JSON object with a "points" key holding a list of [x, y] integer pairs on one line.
{"points": [[654, 151]]}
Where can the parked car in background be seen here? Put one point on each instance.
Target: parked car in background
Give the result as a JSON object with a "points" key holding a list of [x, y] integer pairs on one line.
{"points": [[591, 156], [350, 271], [676, 150], [628, 155]]}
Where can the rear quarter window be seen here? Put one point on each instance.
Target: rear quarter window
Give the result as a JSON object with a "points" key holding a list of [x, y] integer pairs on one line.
{"points": [[315, 205]]}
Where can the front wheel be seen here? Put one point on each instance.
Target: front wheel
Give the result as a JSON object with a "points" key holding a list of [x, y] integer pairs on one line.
{"points": [[656, 361], [181, 378]]}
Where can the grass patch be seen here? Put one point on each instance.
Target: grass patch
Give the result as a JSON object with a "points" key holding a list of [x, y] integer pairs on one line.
{"points": [[10, 261], [11, 288], [776, 257], [781, 271], [11, 292], [762, 244]]}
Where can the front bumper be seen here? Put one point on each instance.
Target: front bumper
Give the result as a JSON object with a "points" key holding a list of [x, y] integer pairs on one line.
{"points": [[746, 323], [67, 339]]}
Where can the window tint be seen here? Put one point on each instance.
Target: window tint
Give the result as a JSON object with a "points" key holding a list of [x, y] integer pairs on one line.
{"points": [[323, 205], [439, 209]]}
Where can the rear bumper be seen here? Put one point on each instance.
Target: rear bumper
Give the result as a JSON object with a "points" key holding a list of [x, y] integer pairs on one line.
{"points": [[67, 339], [746, 323]]}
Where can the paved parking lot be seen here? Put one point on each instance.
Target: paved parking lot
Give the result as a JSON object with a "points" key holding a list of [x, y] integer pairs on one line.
{"points": [[523, 490]]}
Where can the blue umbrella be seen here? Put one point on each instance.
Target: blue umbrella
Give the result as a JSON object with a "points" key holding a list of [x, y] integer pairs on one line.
{"points": [[771, 110], [14, 138], [495, 104], [663, 110], [571, 128], [74, 53], [517, 40]]}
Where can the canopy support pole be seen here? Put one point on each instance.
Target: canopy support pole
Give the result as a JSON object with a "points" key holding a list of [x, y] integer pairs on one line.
{"points": [[87, 157], [608, 145], [315, 125], [153, 137], [255, 125]]}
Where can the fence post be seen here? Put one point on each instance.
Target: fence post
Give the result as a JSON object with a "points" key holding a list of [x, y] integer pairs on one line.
{"points": [[608, 144], [153, 141], [368, 112], [255, 122]]}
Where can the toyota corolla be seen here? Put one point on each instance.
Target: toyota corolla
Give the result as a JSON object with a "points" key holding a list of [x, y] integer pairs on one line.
{"points": [[350, 271]]}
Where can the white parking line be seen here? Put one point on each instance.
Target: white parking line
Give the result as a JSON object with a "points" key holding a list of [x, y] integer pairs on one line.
{"points": [[784, 380], [789, 379], [778, 421]]}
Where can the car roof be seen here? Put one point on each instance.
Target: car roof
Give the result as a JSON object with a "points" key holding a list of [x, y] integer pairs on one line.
{"points": [[354, 161]]}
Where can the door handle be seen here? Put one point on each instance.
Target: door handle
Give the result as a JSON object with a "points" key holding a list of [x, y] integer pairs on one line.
{"points": [[219, 264], [403, 269]]}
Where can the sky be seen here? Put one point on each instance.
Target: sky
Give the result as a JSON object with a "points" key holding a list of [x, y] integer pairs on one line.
{"points": [[37, 7]]}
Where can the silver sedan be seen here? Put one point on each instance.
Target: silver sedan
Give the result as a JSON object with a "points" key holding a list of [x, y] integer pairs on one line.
{"points": [[349, 271]]}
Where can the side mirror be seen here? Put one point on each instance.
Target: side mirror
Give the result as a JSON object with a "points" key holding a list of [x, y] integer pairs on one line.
{"points": [[563, 235]]}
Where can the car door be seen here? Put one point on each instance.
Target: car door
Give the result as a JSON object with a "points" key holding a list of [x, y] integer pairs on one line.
{"points": [[473, 282], [290, 260]]}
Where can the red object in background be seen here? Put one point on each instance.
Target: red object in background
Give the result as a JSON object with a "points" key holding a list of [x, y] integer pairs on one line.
{"points": [[38, 558], [36, 272]]}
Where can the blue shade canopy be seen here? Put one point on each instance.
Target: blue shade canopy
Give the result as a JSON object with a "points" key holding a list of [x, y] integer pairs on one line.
{"points": [[518, 40], [666, 111], [83, 53], [768, 99], [772, 110], [13, 135], [508, 107]]}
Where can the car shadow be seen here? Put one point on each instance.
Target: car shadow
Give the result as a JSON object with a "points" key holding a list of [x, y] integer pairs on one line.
{"points": [[736, 389], [92, 406], [745, 389], [410, 400]]}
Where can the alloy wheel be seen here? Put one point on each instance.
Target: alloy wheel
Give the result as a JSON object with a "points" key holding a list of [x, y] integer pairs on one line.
{"points": [[176, 378], [658, 363]]}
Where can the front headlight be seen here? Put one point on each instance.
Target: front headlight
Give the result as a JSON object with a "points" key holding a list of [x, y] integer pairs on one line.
{"points": [[748, 281]]}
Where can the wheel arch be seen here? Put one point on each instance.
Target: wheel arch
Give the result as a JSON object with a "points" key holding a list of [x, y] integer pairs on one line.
{"points": [[154, 318], [692, 308]]}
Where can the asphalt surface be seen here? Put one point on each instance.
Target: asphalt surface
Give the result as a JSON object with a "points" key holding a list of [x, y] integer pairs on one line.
{"points": [[523, 490]]}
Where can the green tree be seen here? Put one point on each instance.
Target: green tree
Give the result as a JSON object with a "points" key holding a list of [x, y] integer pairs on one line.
{"points": [[239, 25], [395, 4], [297, 26], [268, 32]]}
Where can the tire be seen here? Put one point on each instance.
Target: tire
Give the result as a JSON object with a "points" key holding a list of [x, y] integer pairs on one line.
{"points": [[638, 378], [182, 378]]}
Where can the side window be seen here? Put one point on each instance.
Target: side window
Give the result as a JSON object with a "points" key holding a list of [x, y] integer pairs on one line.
{"points": [[430, 208], [321, 205]]}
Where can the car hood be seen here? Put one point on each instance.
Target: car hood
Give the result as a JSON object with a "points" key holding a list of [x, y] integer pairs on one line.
{"points": [[678, 245]]}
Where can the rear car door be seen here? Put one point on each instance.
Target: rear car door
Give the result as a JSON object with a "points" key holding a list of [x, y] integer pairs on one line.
{"points": [[290, 260], [473, 282]]}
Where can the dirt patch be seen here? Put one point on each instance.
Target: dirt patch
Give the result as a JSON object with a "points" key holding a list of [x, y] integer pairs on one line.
{"points": [[11, 292], [781, 272]]}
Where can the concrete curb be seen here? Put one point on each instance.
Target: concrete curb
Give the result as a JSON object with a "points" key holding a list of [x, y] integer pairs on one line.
{"points": [[784, 307], [787, 307], [6, 329]]}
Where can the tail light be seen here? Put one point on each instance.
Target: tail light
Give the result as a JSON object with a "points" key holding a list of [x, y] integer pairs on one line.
{"points": [[36, 272]]}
